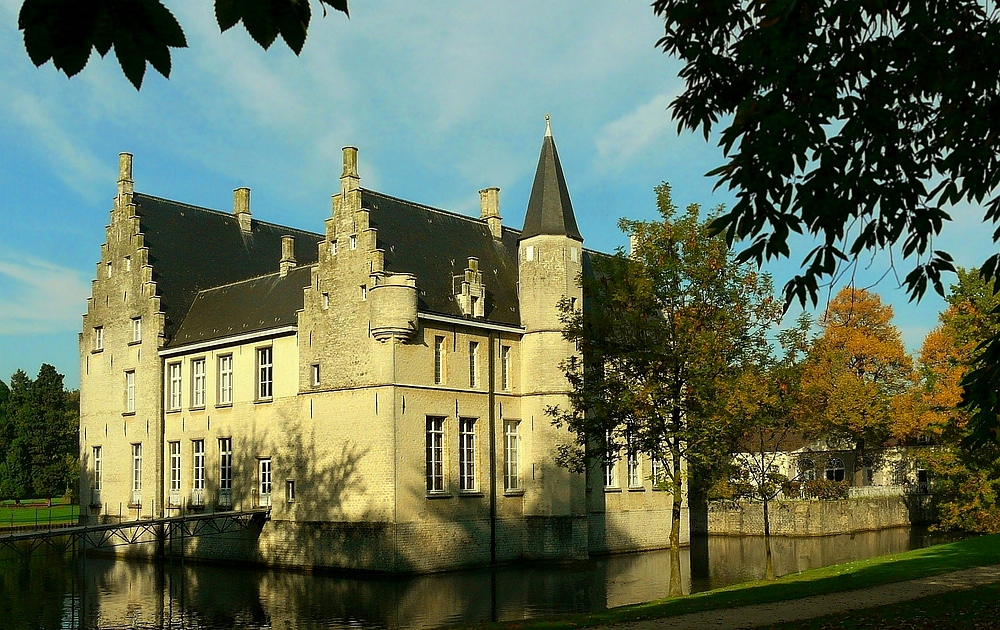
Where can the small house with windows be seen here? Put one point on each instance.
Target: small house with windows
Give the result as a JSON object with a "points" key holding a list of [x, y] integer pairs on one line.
{"points": [[380, 385]]}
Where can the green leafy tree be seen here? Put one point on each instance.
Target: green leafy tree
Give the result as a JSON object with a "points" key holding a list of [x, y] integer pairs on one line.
{"points": [[143, 31], [663, 330], [857, 122]]}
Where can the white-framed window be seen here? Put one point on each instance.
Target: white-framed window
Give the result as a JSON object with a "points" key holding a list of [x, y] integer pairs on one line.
{"points": [[290, 491], [467, 454], [265, 373], [130, 391], [610, 472], [505, 367], [174, 386], [435, 454], [226, 379], [473, 364], [333, 247], [136, 468], [264, 480], [110, 269], [573, 254], [315, 374], [226, 464], [511, 451], [529, 252], [198, 383], [438, 360], [835, 470], [136, 329], [175, 466], [99, 338], [128, 263], [326, 300], [634, 470], [198, 472], [98, 468], [364, 292], [354, 242], [659, 472]]}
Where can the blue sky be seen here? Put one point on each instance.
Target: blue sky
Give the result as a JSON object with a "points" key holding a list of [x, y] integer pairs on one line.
{"points": [[442, 99]]}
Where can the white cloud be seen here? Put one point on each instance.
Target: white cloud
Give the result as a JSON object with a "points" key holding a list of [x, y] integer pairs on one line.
{"points": [[621, 141], [40, 297]]}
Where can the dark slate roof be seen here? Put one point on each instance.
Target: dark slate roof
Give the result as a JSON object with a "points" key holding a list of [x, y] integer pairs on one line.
{"points": [[549, 208], [253, 305], [192, 249], [435, 246]]}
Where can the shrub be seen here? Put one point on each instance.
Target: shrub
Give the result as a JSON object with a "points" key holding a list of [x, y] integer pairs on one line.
{"points": [[826, 490]]}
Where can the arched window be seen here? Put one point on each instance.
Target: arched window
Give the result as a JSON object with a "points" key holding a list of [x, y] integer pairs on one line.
{"points": [[835, 469], [807, 469]]}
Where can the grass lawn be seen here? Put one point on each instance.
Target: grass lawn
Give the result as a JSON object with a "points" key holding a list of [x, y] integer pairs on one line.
{"points": [[975, 608], [963, 554], [29, 511]]}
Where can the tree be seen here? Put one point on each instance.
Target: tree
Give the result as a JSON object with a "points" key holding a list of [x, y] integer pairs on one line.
{"points": [[858, 122], [662, 331], [854, 372], [141, 31], [761, 402], [38, 436]]}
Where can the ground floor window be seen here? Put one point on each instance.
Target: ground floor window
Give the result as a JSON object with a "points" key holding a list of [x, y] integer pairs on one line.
{"points": [[136, 498], [264, 481], [512, 471], [435, 454], [835, 469], [467, 453]]}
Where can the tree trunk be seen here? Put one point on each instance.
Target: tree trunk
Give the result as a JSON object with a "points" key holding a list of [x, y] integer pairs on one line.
{"points": [[675, 588], [858, 478], [768, 559]]}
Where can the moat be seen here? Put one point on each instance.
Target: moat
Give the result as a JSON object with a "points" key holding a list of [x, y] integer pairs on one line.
{"points": [[52, 591]]}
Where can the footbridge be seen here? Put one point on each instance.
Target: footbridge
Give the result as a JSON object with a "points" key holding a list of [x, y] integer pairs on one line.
{"points": [[160, 531]]}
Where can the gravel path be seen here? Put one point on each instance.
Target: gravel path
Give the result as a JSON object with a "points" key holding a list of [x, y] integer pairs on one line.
{"points": [[820, 605]]}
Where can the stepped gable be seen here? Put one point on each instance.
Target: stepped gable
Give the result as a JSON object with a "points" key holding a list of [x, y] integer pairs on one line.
{"points": [[436, 245], [254, 305], [192, 249]]}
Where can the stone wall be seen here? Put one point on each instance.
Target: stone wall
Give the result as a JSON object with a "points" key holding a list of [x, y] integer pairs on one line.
{"points": [[818, 518]]}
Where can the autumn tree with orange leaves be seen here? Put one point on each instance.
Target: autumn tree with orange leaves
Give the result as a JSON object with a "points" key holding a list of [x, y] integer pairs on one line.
{"points": [[854, 372]]}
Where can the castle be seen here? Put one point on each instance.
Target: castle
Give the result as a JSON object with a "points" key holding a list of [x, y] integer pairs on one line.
{"points": [[380, 386]]}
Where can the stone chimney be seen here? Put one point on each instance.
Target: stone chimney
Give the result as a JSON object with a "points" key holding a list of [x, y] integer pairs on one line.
{"points": [[489, 210], [287, 255], [125, 184], [349, 178], [241, 208]]}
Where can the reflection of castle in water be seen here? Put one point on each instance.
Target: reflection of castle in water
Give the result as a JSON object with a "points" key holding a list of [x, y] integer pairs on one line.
{"points": [[120, 593]]}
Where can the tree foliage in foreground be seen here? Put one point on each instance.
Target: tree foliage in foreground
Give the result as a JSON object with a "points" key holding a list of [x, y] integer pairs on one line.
{"points": [[39, 442], [140, 31], [664, 331], [857, 122]]}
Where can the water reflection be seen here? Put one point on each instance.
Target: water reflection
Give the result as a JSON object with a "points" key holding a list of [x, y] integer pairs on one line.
{"points": [[51, 591]]}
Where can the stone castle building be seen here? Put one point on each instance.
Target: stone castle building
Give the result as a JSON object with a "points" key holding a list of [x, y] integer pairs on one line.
{"points": [[380, 385]]}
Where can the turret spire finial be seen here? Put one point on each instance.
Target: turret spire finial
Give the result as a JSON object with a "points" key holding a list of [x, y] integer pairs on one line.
{"points": [[548, 129]]}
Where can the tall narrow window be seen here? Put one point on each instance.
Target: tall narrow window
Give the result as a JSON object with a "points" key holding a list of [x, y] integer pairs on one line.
{"points": [[110, 268], [467, 454], [174, 386], [290, 490], [505, 367], [435, 454], [438, 360], [265, 374], [130, 391], [326, 300], [128, 263], [634, 470], [315, 374], [364, 292], [512, 470], [198, 455], [226, 471], [198, 383], [264, 482], [136, 498], [99, 338], [136, 329], [98, 469], [226, 379], [610, 473], [473, 364], [659, 472], [175, 467]]}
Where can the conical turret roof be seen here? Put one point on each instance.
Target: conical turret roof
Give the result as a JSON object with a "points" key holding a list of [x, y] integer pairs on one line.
{"points": [[549, 209]]}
